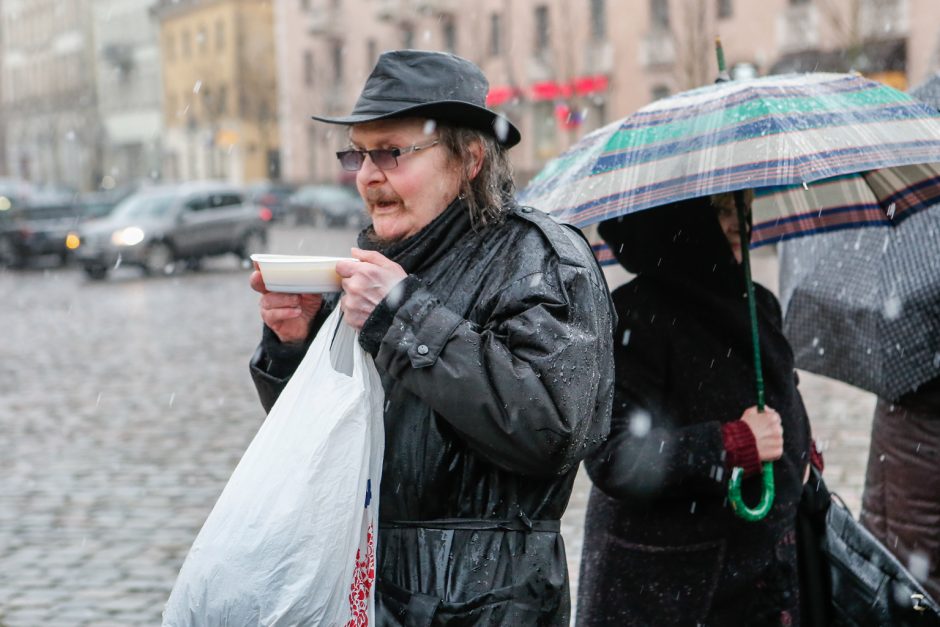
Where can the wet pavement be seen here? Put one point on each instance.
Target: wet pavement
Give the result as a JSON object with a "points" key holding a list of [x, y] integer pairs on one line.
{"points": [[125, 405]]}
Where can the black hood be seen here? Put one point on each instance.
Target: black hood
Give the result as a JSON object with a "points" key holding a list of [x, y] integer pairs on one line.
{"points": [[683, 240]]}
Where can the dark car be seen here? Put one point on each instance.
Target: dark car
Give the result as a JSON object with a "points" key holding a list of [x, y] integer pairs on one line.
{"points": [[331, 205], [14, 194], [162, 225], [273, 196], [38, 230]]}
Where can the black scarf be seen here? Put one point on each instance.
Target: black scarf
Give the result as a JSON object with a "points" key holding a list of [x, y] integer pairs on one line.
{"points": [[426, 246]]}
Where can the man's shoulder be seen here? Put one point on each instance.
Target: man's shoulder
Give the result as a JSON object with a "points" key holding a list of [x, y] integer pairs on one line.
{"points": [[565, 241]]}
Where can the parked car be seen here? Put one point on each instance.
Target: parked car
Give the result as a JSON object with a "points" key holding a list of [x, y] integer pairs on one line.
{"points": [[14, 193], [273, 195], [161, 226], [37, 230], [331, 205]]}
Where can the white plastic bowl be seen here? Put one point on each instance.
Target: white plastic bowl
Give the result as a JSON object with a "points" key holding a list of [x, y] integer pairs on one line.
{"points": [[299, 274]]}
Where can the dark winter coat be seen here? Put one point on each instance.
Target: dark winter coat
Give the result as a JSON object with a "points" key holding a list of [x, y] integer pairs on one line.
{"points": [[496, 359], [901, 499], [662, 546]]}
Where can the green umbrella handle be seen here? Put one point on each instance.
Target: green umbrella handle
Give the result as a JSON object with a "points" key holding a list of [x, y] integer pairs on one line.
{"points": [[766, 499], [734, 485]]}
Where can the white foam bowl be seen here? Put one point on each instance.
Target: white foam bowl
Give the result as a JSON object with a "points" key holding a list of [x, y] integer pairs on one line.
{"points": [[299, 274]]}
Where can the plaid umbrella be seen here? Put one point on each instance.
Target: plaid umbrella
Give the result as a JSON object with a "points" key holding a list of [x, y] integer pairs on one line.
{"points": [[819, 143], [864, 306]]}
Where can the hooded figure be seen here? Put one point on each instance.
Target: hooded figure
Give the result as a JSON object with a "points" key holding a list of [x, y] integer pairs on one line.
{"points": [[662, 545], [490, 325]]}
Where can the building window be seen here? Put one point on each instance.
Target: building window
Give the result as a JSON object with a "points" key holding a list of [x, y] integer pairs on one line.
{"points": [[596, 113], [599, 20], [545, 128], [407, 36], [372, 53], [725, 9], [496, 35], [202, 38], [221, 105], [338, 61], [304, 5], [220, 35], [170, 44], [308, 68], [799, 2], [659, 14], [660, 92], [450, 35], [542, 33], [187, 45], [313, 145]]}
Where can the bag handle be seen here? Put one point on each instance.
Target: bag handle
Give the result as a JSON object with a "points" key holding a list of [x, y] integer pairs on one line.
{"points": [[343, 346]]}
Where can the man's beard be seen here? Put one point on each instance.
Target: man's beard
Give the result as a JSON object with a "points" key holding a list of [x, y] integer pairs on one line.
{"points": [[381, 243]]}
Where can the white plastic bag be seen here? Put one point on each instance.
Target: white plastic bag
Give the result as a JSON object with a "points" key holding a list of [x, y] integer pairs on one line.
{"points": [[291, 540]]}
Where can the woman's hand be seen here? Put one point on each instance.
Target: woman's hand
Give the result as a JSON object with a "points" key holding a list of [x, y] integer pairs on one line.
{"points": [[288, 315], [767, 430]]}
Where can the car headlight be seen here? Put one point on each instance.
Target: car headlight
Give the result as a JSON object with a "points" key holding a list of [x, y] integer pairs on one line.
{"points": [[130, 236], [72, 241]]}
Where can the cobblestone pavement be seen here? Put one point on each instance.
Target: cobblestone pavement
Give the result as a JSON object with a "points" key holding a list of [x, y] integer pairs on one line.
{"points": [[124, 407]]}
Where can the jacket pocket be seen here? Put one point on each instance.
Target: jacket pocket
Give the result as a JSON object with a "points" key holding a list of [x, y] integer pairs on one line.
{"points": [[664, 585]]}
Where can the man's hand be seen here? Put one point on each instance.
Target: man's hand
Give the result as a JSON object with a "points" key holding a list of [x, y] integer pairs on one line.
{"points": [[767, 430], [365, 283], [288, 315]]}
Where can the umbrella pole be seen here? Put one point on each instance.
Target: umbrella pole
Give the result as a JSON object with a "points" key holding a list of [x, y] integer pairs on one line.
{"points": [[734, 485]]}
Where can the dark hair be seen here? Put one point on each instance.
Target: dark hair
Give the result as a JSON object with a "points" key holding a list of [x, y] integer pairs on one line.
{"points": [[489, 194]]}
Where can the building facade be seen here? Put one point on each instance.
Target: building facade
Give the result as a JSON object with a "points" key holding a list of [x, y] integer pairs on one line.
{"points": [[128, 83], [49, 100], [219, 89], [559, 69]]}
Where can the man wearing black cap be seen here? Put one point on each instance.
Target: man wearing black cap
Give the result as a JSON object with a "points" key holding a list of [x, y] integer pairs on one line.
{"points": [[491, 327]]}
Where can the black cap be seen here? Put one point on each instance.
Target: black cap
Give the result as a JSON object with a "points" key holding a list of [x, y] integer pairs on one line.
{"points": [[427, 84]]}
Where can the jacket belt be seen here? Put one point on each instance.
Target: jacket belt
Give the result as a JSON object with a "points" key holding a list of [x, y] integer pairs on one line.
{"points": [[520, 523]]}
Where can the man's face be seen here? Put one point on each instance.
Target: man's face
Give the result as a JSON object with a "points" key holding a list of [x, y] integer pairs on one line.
{"points": [[404, 199]]}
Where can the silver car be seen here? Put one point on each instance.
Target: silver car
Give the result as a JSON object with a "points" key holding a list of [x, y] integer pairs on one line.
{"points": [[162, 226]]}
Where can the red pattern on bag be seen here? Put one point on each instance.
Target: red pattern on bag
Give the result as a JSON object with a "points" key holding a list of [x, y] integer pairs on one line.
{"points": [[363, 580]]}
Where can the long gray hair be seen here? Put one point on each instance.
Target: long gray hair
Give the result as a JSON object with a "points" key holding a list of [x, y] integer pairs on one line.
{"points": [[489, 194]]}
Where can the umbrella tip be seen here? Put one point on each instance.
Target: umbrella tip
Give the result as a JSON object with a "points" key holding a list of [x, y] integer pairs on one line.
{"points": [[720, 54]]}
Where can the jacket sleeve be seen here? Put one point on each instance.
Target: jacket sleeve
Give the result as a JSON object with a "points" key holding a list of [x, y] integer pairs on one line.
{"points": [[652, 453], [273, 362], [529, 389]]}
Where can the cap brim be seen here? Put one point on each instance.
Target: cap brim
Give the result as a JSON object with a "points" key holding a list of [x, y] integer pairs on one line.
{"points": [[455, 111]]}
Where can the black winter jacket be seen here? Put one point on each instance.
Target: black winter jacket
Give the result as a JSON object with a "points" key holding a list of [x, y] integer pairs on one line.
{"points": [[662, 545], [495, 355]]}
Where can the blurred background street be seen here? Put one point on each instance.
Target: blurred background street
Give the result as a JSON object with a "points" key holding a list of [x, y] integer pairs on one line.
{"points": [[125, 405]]}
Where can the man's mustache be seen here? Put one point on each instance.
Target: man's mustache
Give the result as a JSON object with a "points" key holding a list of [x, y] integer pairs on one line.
{"points": [[375, 196]]}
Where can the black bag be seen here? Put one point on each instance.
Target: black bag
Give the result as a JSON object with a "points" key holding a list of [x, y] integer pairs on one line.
{"points": [[847, 577]]}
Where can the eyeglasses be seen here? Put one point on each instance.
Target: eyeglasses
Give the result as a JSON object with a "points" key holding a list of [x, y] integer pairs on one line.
{"points": [[383, 158]]}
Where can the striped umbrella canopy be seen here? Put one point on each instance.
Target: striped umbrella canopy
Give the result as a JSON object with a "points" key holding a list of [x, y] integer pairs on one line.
{"points": [[823, 152]]}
